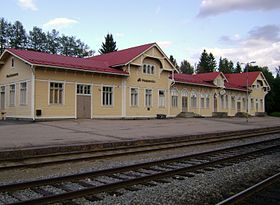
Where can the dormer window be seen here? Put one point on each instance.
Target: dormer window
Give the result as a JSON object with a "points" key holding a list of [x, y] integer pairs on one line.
{"points": [[148, 69], [13, 62]]}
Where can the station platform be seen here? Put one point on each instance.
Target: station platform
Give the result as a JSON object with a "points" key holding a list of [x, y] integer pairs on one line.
{"points": [[53, 135]]}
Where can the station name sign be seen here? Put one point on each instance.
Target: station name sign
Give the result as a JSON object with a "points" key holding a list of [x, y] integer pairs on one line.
{"points": [[12, 75], [146, 80]]}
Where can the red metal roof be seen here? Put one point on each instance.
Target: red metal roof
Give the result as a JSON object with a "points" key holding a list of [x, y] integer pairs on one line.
{"points": [[207, 76], [122, 57], [66, 62], [240, 79]]}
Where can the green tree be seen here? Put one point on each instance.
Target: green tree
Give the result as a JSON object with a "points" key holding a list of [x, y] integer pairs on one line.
{"points": [[109, 45], [207, 63], [52, 42], [17, 36], [238, 68], [186, 67], [37, 40], [225, 66], [211, 63], [276, 91], [173, 61], [4, 34]]}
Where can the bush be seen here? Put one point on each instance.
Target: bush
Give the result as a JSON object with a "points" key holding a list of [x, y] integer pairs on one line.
{"points": [[275, 114]]}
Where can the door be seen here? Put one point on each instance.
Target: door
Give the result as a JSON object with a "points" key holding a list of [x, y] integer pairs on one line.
{"points": [[238, 106], [83, 101], [184, 104]]}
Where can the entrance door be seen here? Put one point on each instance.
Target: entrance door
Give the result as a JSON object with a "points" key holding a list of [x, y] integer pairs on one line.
{"points": [[184, 104], [238, 106], [215, 104], [83, 101]]}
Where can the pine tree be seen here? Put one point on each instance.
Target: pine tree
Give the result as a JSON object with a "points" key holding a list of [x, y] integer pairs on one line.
{"points": [[203, 64], [230, 67], [109, 45], [186, 67], [37, 40], [238, 68], [18, 37], [4, 34], [173, 61], [52, 42], [225, 66], [211, 63]]}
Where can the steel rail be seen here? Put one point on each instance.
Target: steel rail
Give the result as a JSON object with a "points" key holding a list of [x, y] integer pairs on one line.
{"points": [[139, 180]]}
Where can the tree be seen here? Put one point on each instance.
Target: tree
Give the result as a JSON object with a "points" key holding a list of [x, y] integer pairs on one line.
{"points": [[37, 40], [173, 61], [17, 36], [207, 63], [109, 45], [238, 68], [211, 63], [4, 34], [52, 42], [225, 66], [186, 67]]}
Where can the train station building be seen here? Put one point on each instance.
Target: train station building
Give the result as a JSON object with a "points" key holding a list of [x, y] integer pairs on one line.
{"points": [[138, 82]]}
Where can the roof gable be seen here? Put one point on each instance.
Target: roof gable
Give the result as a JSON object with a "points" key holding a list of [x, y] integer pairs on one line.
{"points": [[122, 57], [241, 78]]}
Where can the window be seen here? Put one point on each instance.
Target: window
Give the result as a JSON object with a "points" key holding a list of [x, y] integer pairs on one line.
{"points": [[134, 97], [202, 101], [207, 101], [2, 98], [261, 104], [252, 103], [13, 62], [226, 101], [148, 97], [244, 103], [232, 103], [12, 94], [83, 89], [193, 100], [148, 69], [107, 96], [161, 98], [56, 93], [222, 102], [23, 93], [174, 98]]}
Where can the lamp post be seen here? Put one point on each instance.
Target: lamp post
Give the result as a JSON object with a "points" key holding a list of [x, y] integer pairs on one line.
{"points": [[247, 91]]}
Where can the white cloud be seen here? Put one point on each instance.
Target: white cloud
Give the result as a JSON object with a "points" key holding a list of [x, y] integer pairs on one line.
{"points": [[60, 23], [215, 7], [27, 4], [164, 44], [120, 35], [262, 44]]}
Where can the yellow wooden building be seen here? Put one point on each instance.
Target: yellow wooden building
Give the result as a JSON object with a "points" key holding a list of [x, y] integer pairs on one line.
{"points": [[138, 82]]}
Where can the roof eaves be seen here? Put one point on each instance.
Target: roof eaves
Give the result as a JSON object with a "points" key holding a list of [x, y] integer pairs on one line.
{"points": [[82, 70]]}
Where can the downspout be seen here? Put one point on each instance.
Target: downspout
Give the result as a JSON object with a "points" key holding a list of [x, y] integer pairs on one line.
{"points": [[33, 93]]}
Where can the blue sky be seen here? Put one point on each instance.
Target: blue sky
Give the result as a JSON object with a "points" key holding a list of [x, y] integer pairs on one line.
{"points": [[241, 30]]}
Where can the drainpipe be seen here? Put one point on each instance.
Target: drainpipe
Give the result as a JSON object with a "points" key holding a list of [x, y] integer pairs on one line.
{"points": [[33, 93]]}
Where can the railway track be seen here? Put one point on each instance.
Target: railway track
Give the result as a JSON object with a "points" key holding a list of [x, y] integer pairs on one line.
{"points": [[60, 158], [87, 186], [265, 192]]}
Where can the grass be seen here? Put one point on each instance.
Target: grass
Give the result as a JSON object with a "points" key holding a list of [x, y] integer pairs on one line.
{"points": [[275, 114]]}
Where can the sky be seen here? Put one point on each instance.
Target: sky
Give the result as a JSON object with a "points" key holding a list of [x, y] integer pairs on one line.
{"points": [[240, 30]]}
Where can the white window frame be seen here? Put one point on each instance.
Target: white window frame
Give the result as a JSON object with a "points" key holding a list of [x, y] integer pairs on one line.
{"points": [[145, 98], [14, 97], [83, 85], [23, 101], [2, 91], [193, 100], [63, 93], [159, 98], [112, 96], [137, 97], [202, 101], [233, 102], [207, 101], [149, 69], [174, 97]]}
